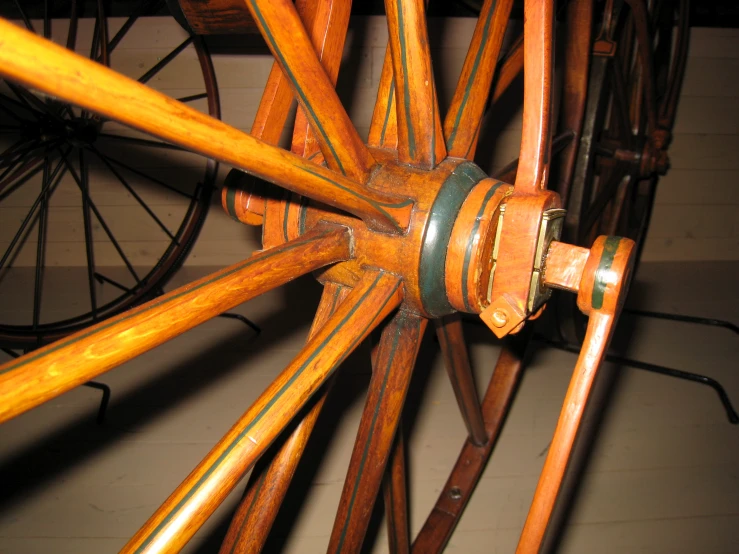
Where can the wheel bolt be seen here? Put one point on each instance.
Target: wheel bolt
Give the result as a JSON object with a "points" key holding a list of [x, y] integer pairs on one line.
{"points": [[499, 318]]}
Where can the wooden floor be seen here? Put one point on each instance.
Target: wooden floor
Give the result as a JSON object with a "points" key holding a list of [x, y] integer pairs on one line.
{"points": [[659, 475]]}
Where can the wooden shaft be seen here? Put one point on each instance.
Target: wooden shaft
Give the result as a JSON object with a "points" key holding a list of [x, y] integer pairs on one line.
{"points": [[284, 33], [383, 131], [48, 372], [601, 293], [454, 350], [187, 508], [645, 45], [395, 358], [395, 497], [418, 118], [471, 462], [42, 65], [471, 95], [511, 67], [270, 479], [538, 62]]}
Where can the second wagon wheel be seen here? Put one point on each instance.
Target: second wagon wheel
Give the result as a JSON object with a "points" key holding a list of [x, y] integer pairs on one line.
{"points": [[80, 190], [637, 67]]}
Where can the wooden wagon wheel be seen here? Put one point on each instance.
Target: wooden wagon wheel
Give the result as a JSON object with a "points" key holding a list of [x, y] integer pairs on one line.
{"points": [[639, 55], [62, 167], [400, 230]]}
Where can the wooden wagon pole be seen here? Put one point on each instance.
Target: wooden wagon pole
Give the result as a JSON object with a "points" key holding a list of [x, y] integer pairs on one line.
{"points": [[48, 372]]}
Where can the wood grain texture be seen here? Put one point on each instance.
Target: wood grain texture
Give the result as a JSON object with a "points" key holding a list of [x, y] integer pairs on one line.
{"points": [[54, 70], [394, 361], [457, 362], [215, 17], [293, 49], [187, 508], [269, 481], [462, 121], [383, 132], [419, 123], [395, 496], [50, 371], [565, 265], [601, 295]]}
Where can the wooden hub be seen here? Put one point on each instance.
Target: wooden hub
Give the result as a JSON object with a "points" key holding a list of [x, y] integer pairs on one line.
{"points": [[444, 256]]}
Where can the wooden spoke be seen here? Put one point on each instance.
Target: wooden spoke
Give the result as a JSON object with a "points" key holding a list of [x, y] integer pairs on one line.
{"points": [[50, 371], [396, 498], [373, 299], [52, 69], [533, 169], [384, 127], [392, 369], [454, 350], [471, 96], [273, 108], [641, 23], [270, 479], [419, 126], [291, 45], [471, 462], [327, 23], [668, 107]]}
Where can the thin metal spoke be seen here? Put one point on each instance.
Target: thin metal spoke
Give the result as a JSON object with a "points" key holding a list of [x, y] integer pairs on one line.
{"points": [[42, 107], [73, 19], [143, 7], [103, 279], [85, 182], [29, 216], [164, 61], [128, 187], [18, 183], [8, 111], [24, 16], [102, 221], [142, 142], [47, 20], [192, 97], [102, 34], [145, 175], [41, 239]]}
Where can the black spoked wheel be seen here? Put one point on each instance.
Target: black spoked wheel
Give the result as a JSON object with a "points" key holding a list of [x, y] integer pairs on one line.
{"points": [[78, 190]]}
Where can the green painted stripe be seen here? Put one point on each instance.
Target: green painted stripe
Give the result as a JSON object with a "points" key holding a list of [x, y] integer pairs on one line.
{"points": [[379, 206], [473, 74], [264, 411], [438, 231], [406, 90], [387, 111], [470, 242], [260, 483], [304, 200], [288, 202], [231, 202], [399, 329], [64, 343], [601, 274], [299, 90]]}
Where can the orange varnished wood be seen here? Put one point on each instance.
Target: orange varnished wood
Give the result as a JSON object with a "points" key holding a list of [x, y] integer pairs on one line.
{"points": [[391, 374], [608, 268], [510, 68], [207, 486], [470, 464], [395, 497], [217, 17], [564, 266], [293, 49], [419, 123], [50, 371], [464, 117], [457, 361], [269, 481], [383, 131], [52, 69], [469, 258]]}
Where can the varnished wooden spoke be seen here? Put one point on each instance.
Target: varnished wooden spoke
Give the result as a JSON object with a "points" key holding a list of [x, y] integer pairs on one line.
{"points": [[42, 65], [454, 350], [419, 123], [291, 45], [327, 23], [510, 68], [395, 496], [645, 45], [392, 369], [668, 106], [470, 464], [471, 95], [533, 167], [50, 371], [270, 479], [187, 508], [384, 127]]}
